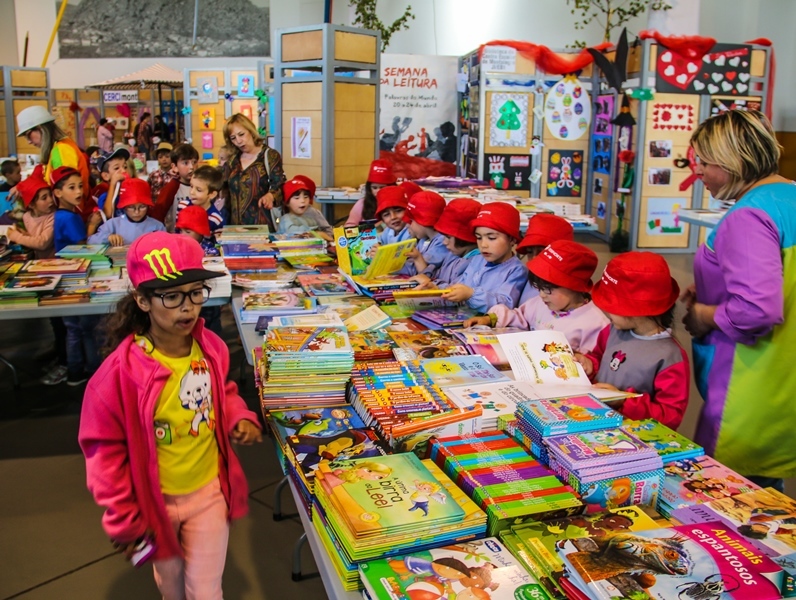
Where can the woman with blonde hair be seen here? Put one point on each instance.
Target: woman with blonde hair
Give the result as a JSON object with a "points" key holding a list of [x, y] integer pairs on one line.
{"points": [[254, 174], [741, 309]]}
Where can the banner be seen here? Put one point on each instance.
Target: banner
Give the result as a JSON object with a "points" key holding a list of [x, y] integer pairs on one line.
{"points": [[419, 109]]}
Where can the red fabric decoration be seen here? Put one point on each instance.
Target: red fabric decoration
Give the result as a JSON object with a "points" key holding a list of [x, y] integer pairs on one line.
{"points": [[123, 109], [627, 156], [548, 61], [416, 167], [688, 46], [74, 107], [772, 74]]}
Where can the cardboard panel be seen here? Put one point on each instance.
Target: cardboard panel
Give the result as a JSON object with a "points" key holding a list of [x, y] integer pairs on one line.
{"points": [[758, 66], [28, 79], [487, 114], [350, 176], [348, 153], [354, 97], [296, 165], [315, 115], [304, 45], [355, 47], [354, 125], [302, 96]]}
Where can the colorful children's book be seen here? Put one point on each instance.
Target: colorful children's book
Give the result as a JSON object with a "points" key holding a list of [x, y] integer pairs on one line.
{"points": [[705, 561], [31, 283], [370, 319], [242, 249], [669, 444], [353, 246], [415, 300], [596, 448], [56, 266], [460, 370], [276, 301], [480, 569], [543, 356], [330, 284], [445, 317], [425, 344], [320, 421], [568, 415], [389, 258], [296, 340]]}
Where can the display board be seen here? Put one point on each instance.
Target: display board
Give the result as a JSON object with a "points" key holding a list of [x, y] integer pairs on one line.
{"points": [[22, 87]]}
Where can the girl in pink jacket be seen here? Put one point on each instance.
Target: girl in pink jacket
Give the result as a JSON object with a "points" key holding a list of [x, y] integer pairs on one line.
{"points": [[157, 421]]}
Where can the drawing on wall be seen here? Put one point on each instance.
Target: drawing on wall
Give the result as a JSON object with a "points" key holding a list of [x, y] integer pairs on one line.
{"points": [[106, 29], [673, 117], [301, 137], [565, 173], [245, 86], [723, 70], [207, 140], [663, 216], [208, 118], [508, 172], [508, 120], [207, 90], [567, 109]]}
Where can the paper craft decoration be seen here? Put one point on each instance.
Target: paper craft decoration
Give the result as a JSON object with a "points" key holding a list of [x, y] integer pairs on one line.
{"points": [[567, 109], [246, 111], [207, 140], [508, 124], [663, 217], [615, 73], [720, 105], [245, 86], [207, 90], [565, 173], [208, 118], [673, 117], [508, 172], [300, 138], [724, 70], [602, 140]]}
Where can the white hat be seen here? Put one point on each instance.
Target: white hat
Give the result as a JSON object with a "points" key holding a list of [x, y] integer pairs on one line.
{"points": [[31, 117]]}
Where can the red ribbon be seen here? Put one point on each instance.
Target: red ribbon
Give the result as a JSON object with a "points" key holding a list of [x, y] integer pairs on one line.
{"points": [[546, 60]]}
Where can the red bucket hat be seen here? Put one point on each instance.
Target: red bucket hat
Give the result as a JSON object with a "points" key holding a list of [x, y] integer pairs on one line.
{"points": [[544, 229], [159, 260], [381, 172], [499, 216], [194, 218], [134, 191], [425, 208], [299, 182], [456, 218], [410, 187], [636, 284], [393, 196], [565, 264], [28, 188]]}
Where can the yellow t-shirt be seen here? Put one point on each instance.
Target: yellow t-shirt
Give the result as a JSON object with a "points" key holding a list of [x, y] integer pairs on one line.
{"points": [[184, 424]]}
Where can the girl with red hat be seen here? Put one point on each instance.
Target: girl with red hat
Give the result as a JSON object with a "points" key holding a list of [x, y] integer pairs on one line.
{"points": [[135, 200], [496, 276], [543, 230], [562, 275], [637, 352], [300, 216], [379, 176], [390, 208]]}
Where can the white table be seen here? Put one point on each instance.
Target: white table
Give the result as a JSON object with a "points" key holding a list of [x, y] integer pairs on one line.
{"points": [[248, 336], [328, 203], [703, 217]]}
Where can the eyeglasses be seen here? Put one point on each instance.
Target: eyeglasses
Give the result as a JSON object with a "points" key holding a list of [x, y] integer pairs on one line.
{"points": [[176, 299], [544, 288], [136, 207]]}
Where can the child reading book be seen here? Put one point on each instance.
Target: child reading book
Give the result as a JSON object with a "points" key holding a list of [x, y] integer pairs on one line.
{"points": [[300, 216], [422, 213], [390, 208], [543, 230], [206, 182], [193, 222], [637, 352], [496, 276], [113, 169], [379, 176], [135, 198], [184, 158], [562, 274], [158, 420], [458, 237]]}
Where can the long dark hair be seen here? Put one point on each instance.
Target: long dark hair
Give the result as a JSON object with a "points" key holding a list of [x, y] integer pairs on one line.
{"points": [[128, 318], [665, 320], [369, 207]]}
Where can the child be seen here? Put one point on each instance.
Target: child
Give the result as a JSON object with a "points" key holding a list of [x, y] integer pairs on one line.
{"points": [[184, 158], [637, 352], [205, 185], [81, 348], [496, 276], [299, 216], [162, 175], [543, 230], [459, 239], [422, 212], [562, 274], [193, 222], [135, 198], [158, 418], [390, 208], [112, 168], [379, 176], [12, 173]]}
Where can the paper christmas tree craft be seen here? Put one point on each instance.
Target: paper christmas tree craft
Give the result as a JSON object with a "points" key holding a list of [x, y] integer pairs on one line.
{"points": [[509, 120]]}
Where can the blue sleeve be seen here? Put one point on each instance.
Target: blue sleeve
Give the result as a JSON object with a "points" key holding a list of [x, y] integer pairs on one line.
{"points": [[107, 229], [503, 287], [69, 229], [435, 256], [215, 218], [101, 200], [383, 237]]}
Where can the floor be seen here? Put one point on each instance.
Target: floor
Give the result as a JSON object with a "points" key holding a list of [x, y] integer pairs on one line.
{"points": [[51, 542]]}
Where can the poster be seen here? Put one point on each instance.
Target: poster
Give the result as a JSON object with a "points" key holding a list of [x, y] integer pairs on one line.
{"points": [[567, 109], [207, 90], [602, 140], [508, 172], [508, 120], [723, 70], [207, 140], [301, 137], [247, 111], [245, 86], [673, 117], [565, 173], [207, 117], [663, 216]]}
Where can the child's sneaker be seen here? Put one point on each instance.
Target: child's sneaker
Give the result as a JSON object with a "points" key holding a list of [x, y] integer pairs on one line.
{"points": [[55, 375], [74, 380]]}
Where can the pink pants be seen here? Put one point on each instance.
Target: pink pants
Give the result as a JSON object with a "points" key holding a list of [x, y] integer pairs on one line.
{"points": [[200, 522]]}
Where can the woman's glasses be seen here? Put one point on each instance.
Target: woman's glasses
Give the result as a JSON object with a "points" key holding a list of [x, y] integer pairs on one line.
{"points": [[176, 299]]}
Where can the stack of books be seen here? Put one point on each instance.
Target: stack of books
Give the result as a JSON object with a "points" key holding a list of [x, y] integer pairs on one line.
{"points": [[301, 248], [96, 253], [249, 257], [275, 303], [381, 288], [444, 318], [305, 366], [326, 285], [483, 565], [373, 508], [670, 445], [608, 468], [263, 282], [692, 481], [220, 287], [243, 233], [371, 346], [117, 255], [501, 477]]}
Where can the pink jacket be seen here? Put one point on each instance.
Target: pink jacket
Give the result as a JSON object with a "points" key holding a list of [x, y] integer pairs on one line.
{"points": [[39, 234], [117, 437]]}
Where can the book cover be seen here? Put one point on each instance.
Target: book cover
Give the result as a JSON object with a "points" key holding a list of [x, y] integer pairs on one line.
{"points": [[426, 344], [443, 317], [410, 301], [566, 415], [317, 421], [592, 448], [311, 449], [329, 284], [264, 301], [460, 370], [686, 561], [353, 247], [543, 356], [31, 283], [389, 258], [247, 249], [669, 444], [303, 339], [697, 480], [55, 266], [82, 250], [369, 319]]}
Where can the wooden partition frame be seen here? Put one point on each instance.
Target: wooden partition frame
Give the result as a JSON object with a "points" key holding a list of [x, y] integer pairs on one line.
{"points": [[22, 87]]}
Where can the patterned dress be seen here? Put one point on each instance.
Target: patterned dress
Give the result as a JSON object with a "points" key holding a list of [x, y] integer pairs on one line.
{"points": [[247, 186]]}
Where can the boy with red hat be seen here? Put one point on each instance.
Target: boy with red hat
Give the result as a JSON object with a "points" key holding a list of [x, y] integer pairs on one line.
{"points": [[543, 230], [496, 276], [194, 222], [459, 239], [562, 275], [390, 208], [39, 218], [299, 215], [379, 176], [422, 213], [135, 199]]}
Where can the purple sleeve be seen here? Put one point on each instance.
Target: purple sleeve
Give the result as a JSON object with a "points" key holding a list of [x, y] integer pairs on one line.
{"points": [[750, 258]]}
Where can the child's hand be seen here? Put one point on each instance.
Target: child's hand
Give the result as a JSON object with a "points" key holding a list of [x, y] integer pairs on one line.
{"points": [[422, 281], [246, 433], [413, 253], [95, 218], [473, 321], [371, 253], [588, 365], [115, 239], [458, 293]]}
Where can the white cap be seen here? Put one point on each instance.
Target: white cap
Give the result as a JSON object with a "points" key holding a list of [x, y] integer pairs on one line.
{"points": [[31, 117]]}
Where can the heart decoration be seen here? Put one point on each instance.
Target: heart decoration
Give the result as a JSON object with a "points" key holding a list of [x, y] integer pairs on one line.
{"points": [[730, 75], [744, 77], [699, 86], [742, 87], [713, 89], [692, 67], [677, 70], [674, 117], [726, 86], [717, 77], [720, 61], [669, 71], [734, 62]]}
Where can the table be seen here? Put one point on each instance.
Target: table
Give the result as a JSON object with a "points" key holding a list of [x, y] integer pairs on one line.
{"points": [[248, 336], [328, 203], [703, 217]]}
